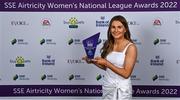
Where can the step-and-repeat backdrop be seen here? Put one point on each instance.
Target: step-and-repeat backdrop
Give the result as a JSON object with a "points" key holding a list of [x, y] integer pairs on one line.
{"points": [[41, 46]]}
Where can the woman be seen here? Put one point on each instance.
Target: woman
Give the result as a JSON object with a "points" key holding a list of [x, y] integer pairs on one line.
{"points": [[118, 58]]}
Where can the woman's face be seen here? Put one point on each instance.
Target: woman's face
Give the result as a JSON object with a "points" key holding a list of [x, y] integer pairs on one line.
{"points": [[117, 29]]}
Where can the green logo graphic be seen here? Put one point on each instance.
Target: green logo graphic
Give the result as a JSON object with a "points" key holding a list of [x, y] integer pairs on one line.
{"points": [[70, 41], [71, 77], [98, 77], [42, 41], [13, 41], [15, 77], [43, 77], [154, 77], [73, 22], [19, 61], [156, 41]]}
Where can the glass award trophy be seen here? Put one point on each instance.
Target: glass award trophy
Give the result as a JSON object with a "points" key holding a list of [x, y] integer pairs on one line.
{"points": [[90, 45]]}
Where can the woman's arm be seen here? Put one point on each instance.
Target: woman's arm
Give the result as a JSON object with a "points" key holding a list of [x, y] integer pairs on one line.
{"points": [[100, 66], [129, 62]]}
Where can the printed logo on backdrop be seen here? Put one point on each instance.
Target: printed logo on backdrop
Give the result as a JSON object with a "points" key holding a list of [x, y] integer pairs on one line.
{"points": [[48, 61], [157, 61], [136, 41], [102, 22], [157, 22], [178, 61], [48, 77], [20, 77], [137, 36], [19, 23], [18, 42], [161, 41], [100, 41], [99, 77], [47, 42], [46, 23], [133, 23], [20, 61], [177, 21], [75, 61], [73, 22], [160, 78], [79, 41], [76, 77], [74, 41], [135, 77]]}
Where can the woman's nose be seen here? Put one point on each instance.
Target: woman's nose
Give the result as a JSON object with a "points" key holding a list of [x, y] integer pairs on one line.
{"points": [[116, 29]]}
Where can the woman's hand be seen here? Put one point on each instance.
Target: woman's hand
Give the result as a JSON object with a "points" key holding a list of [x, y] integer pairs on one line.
{"points": [[89, 61], [100, 61]]}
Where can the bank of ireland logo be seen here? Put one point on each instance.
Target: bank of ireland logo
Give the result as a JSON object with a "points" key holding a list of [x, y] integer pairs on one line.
{"points": [[157, 61], [102, 22], [19, 61]]}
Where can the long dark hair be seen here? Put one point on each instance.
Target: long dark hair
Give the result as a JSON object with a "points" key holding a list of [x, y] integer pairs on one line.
{"points": [[108, 45]]}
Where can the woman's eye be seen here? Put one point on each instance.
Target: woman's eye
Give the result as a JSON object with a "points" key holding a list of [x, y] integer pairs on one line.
{"points": [[119, 26], [113, 27]]}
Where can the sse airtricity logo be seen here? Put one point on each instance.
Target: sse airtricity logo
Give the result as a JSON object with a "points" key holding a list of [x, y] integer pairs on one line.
{"points": [[20, 77], [18, 41], [47, 41]]}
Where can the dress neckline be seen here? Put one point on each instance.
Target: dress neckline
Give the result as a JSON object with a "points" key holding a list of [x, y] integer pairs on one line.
{"points": [[124, 48]]}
